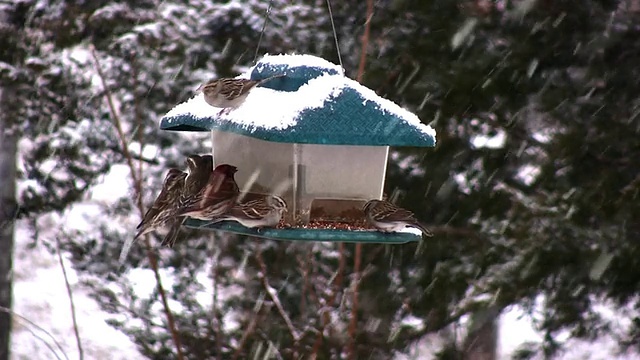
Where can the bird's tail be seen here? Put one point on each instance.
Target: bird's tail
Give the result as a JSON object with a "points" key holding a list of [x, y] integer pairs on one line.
{"points": [[170, 239], [270, 78], [143, 230], [422, 227]]}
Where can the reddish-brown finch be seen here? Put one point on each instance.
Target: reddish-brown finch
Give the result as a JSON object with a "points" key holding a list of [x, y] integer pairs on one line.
{"points": [[387, 217], [229, 93], [216, 198], [200, 168], [163, 208], [263, 212]]}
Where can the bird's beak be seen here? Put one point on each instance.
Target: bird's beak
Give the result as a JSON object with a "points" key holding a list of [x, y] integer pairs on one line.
{"points": [[199, 89]]}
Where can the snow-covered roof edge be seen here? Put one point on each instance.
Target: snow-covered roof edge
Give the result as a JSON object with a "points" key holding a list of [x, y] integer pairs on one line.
{"points": [[313, 103]]}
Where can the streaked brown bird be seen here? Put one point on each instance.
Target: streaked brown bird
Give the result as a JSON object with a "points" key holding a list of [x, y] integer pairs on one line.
{"points": [[200, 168], [165, 205], [262, 212], [387, 217], [230, 93], [216, 198]]}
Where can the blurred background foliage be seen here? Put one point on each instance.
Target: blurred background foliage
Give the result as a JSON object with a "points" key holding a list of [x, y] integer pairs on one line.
{"points": [[532, 189]]}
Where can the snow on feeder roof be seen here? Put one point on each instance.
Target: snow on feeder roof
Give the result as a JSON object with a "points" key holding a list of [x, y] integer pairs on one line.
{"points": [[313, 104], [322, 134]]}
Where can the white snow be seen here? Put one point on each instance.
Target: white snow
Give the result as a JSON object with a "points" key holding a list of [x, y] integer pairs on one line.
{"points": [[270, 109], [294, 60], [40, 295], [496, 141], [516, 328], [266, 108], [527, 174], [115, 184]]}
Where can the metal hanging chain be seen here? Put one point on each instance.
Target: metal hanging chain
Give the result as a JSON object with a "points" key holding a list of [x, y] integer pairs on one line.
{"points": [[264, 26], [335, 34]]}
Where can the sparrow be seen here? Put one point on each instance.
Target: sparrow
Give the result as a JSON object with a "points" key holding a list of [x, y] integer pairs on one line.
{"points": [[163, 208], [263, 212], [200, 168], [229, 93], [215, 198], [387, 217]]}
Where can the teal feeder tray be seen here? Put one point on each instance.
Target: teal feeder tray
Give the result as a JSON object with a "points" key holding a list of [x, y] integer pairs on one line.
{"points": [[315, 137]]}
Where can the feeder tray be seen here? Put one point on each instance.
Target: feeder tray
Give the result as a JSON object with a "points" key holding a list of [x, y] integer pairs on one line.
{"points": [[313, 136], [302, 234]]}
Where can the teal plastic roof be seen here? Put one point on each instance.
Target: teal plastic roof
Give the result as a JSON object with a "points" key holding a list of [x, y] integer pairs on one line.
{"points": [[308, 234], [313, 104]]}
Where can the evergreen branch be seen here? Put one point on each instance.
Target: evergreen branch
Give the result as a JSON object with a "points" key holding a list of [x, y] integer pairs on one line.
{"points": [[138, 188]]}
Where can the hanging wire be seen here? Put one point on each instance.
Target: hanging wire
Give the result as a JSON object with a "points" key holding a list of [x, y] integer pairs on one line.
{"points": [[335, 34], [264, 26]]}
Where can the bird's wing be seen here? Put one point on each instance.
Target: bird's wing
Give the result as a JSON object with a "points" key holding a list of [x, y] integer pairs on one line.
{"points": [[254, 209], [162, 202], [243, 85], [396, 214]]}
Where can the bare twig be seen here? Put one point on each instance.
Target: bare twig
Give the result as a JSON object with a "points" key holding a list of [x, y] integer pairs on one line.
{"points": [[31, 323], [71, 303], [353, 324], [274, 297], [365, 41], [250, 329], [304, 270], [264, 26], [334, 285], [137, 182], [137, 111], [215, 277]]}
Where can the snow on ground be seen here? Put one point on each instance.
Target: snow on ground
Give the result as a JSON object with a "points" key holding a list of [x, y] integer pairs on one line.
{"points": [[516, 329], [40, 295]]}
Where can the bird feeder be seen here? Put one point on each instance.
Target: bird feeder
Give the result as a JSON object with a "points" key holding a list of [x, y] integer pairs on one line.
{"points": [[315, 137]]}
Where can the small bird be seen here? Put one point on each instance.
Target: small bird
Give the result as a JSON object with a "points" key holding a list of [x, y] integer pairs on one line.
{"points": [[387, 217], [163, 208], [215, 198], [227, 93], [263, 212], [200, 168]]}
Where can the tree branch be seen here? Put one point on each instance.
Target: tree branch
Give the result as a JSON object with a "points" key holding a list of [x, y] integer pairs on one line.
{"points": [[353, 324], [9, 311], [71, 303], [250, 329], [137, 182], [274, 297]]}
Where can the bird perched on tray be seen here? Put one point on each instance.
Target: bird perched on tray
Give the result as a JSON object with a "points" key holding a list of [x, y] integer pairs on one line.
{"points": [[230, 93], [387, 217], [200, 168], [215, 198], [258, 213], [165, 205]]}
